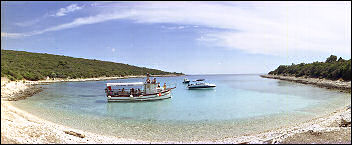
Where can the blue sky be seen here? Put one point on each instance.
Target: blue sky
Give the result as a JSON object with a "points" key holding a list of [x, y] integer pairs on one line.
{"points": [[188, 37]]}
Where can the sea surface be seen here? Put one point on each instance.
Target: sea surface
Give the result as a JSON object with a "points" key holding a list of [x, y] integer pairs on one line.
{"points": [[238, 105]]}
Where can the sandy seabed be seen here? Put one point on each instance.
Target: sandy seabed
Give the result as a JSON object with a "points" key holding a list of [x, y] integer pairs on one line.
{"points": [[19, 126]]}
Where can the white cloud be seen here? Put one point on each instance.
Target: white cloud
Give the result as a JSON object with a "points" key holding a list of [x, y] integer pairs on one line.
{"points": [[174, 27], [266, 28], [75, 23], [59, 13], [113, 50], [68, 9], [255, 27], [28, 23]]}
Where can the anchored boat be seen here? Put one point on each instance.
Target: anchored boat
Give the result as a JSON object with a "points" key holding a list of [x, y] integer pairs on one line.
{"points": [[137, 91], [200, 84], [186, 80]]}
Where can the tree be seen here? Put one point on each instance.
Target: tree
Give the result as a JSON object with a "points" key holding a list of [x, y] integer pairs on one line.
{"points": [[330, 69], [340, 59], [331, 59]]}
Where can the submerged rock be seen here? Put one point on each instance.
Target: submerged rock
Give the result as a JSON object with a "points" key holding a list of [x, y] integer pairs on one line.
{"points": [[23, 94]]}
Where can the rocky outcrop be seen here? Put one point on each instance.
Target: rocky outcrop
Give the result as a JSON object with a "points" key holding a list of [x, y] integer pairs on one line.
{"points": [[18, 90], [330, 84]]}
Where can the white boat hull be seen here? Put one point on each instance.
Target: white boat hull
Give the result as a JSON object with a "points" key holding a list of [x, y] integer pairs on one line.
{"points": [[165, 95], [201, 86]]}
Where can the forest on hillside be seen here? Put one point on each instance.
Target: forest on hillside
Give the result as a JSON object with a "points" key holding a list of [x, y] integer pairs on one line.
{"points": [[332, 69], [18, 65]]}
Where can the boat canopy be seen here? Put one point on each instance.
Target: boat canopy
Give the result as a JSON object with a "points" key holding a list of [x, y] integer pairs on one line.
{"points": [[125, 84]]}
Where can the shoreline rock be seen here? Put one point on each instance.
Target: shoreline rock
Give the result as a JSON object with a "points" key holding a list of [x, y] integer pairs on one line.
{"points": [[30, 91], [324, 83], [18, 90]]}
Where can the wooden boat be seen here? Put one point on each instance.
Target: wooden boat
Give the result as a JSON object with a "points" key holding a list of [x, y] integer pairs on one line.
{"points": [[137, 91]]}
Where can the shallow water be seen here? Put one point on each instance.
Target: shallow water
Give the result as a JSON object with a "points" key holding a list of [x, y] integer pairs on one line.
{"points": [[238, 105]]}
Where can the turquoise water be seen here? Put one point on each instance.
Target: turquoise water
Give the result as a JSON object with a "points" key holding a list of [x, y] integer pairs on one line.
{"points": [[226, 110]]}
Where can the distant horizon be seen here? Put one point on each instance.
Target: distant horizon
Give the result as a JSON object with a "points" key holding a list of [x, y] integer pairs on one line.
{"points": [[187, 37]]}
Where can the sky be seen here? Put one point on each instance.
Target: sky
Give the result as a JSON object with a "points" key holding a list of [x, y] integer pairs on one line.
{"points": [[188, 37]]}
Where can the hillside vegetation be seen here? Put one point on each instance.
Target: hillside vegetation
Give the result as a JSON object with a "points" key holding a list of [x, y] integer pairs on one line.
{"points": [[332, 69], [17, 65]]}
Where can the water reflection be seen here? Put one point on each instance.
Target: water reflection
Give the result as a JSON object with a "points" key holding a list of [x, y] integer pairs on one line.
{"points": [[88, 95]]}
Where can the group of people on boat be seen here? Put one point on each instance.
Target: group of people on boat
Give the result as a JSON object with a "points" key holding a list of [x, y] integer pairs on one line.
{"points": [[134, 91], [154, 82]]}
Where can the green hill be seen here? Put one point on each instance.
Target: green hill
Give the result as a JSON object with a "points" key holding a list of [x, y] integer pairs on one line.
{"points": [[332, 69], [17, 65]]}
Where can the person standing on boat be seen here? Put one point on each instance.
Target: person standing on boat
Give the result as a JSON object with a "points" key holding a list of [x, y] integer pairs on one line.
{"points": [[148, 80], [154, 81], [132, 91], [164, 86], [139, 91]]}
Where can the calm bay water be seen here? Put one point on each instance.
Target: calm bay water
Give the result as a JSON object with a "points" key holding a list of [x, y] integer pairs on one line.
{"points": [[240, 104]]}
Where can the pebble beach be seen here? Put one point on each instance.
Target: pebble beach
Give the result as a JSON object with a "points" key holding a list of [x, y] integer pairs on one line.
{"points": [[18, 126]]}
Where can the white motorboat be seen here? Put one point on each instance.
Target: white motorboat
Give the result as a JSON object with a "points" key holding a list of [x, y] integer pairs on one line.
{"points": [[186, 80], [200, 84]]}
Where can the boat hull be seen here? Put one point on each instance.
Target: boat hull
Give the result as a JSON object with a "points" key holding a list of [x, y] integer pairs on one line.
{"points": [[161, 96], [200, 87]]}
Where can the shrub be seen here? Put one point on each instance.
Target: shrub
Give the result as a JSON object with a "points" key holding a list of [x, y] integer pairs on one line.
{"points": [[330, 69]]}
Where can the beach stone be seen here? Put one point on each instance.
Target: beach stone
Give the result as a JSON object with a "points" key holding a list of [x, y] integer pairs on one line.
{"points": [[345, 123], [75, 134], [314, 133]]}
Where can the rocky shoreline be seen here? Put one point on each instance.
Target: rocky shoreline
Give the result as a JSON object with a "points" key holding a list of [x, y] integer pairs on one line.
{"points": [[337, 131], [330, 84], [18, 126]]}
